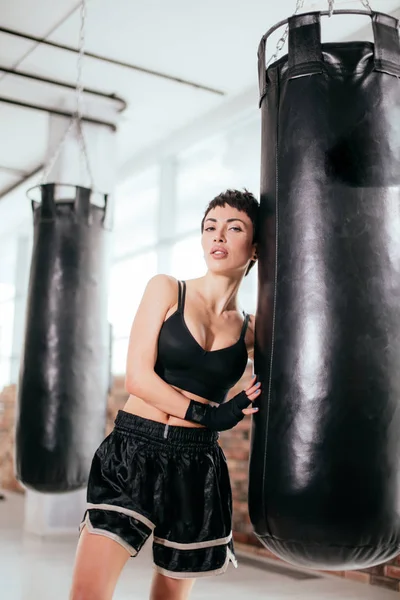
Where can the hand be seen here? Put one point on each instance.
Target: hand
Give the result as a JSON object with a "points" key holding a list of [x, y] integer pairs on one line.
{"points": [[252, 392], [227, 415]]}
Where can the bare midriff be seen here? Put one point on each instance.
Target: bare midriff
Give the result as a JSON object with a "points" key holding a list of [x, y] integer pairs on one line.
{"points": [[139, 407]]}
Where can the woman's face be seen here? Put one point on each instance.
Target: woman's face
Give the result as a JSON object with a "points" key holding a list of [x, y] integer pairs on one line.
{"points": [[227, 239]]}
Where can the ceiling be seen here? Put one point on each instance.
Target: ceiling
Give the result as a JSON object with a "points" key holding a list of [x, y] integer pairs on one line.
{"points": [[195, 59]]}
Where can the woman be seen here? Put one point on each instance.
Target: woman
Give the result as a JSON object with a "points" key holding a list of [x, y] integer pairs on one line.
{"points": [[161, 470]]}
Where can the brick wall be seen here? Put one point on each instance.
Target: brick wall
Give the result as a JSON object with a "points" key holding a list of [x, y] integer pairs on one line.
{"points": [[7, 420], [8, 481], [236, 445]]}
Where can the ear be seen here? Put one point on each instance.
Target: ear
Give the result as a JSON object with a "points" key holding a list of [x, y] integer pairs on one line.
{"points": [[255, 253]]}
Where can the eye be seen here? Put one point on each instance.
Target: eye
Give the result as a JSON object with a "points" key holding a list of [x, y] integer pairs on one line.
{"points": [[235, 228], [210, 228]]}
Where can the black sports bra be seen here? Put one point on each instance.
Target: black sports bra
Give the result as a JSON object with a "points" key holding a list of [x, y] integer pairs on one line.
{"points": [[182, 362]]}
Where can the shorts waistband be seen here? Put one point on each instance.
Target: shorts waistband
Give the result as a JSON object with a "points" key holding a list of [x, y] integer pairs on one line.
{"points": [[161, 432]]}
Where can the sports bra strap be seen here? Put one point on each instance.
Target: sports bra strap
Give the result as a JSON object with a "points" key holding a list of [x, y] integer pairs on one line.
{"points": [[181, 295], [245, 324]]}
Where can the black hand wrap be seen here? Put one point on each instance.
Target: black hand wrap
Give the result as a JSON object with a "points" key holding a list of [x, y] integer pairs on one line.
{"points": [[218, 418]]}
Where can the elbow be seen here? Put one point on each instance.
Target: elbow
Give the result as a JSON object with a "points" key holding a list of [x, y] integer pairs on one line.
{"points": [[136, 385], [132, 386]]}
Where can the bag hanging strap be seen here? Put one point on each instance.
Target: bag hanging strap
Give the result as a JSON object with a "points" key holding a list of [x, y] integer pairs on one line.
{"points": [[305, 50], [386, 37], [47, 204], [262, 77], [82, 203], [262, 70], [105, 220], [387, 43]]}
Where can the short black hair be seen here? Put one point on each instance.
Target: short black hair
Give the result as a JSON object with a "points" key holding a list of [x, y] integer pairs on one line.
{"points": [[241, 200]]}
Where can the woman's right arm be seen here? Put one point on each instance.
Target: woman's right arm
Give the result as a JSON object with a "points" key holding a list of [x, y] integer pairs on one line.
{"points": [[141, 379]]}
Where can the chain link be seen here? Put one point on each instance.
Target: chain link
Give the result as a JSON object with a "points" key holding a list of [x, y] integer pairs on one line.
{"points": [[79, 90], [299, 6], [79, 65], [365, 4], [282, 40], [77, 117]]}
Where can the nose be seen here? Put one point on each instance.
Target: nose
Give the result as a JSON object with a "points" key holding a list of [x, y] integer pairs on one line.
{"points": [[219, 237]]}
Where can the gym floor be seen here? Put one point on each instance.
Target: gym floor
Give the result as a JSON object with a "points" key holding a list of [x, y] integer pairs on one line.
{"points": [[33, 568]]}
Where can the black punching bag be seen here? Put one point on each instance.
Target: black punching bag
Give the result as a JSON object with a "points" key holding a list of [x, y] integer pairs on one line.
{"points": [[325, 459], [64, 376]]}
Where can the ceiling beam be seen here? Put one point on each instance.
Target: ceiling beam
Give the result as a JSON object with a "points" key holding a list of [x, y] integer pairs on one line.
{"points": [[64, 84], [112, 61], [53, 111], [12, 170], [15, 185]]}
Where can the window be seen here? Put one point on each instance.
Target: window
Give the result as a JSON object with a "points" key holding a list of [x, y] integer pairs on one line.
{"points": [[230, 160], [135, 216], [248, 292], [6, 340], [119, 355], [187, 259], [127, 283], [8, 261]]}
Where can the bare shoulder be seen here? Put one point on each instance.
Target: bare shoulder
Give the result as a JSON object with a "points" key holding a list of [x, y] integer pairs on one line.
{"points": [[161, 292], [165, 285]]}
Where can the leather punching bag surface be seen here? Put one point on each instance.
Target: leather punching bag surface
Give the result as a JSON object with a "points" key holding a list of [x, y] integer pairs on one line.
{"points": [[325, 459], [64, 375]]}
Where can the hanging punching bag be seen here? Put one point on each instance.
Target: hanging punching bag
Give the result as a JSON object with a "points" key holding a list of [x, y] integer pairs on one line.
{"points": [[324, 486], [64, 376]]}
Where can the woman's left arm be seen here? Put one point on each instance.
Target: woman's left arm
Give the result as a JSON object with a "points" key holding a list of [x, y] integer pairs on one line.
{"points": [[248, 374], [250, 337]]}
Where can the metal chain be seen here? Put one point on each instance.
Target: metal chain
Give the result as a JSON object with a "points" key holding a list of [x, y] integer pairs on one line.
{"points": [[365, 4], [299, 6], [56, 154], [79, 90], [77, 117], [282, 40], [79, 65]]}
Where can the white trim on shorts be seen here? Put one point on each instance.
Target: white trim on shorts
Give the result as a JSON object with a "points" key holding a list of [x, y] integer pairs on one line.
{"points": [[112, 536], [196, 575], [124, 511], [194, 545]]}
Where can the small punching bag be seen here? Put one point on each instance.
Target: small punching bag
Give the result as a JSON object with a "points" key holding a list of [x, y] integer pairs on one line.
{"points": [[324, 486], [64, 376]]}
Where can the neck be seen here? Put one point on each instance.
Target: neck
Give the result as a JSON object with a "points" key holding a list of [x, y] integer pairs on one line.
{"points": [[219, 291]]}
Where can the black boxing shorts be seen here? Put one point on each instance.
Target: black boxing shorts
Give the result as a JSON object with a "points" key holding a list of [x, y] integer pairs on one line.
{"points": [[173, 482]]}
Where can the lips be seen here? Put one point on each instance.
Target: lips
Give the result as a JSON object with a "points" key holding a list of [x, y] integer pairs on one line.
{"points": [[218, 252]]}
